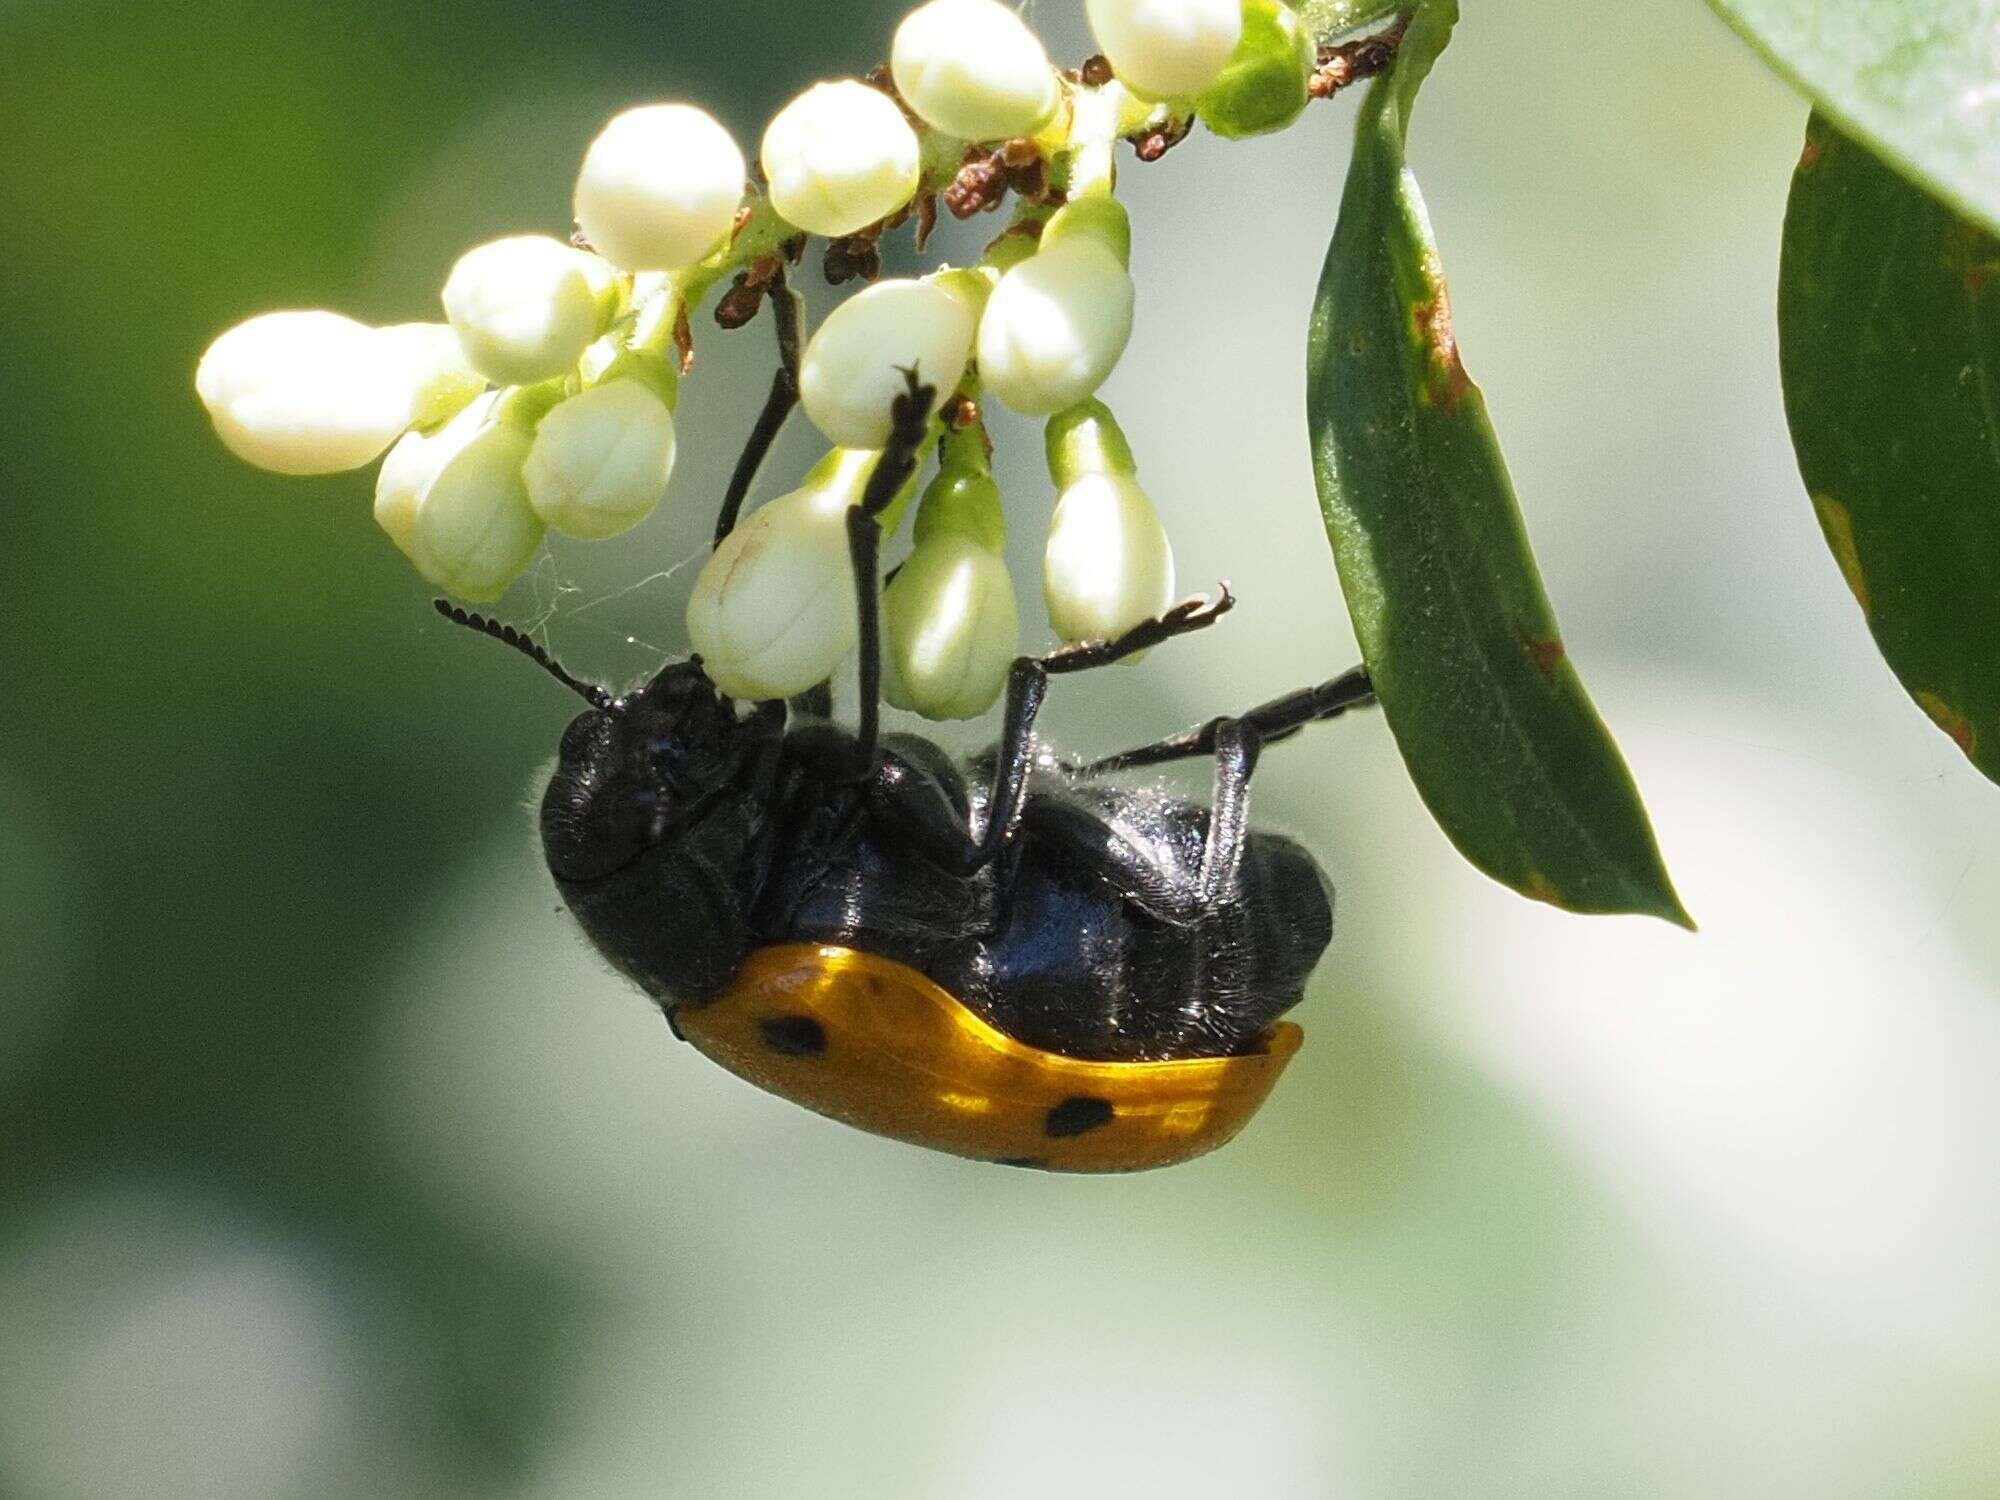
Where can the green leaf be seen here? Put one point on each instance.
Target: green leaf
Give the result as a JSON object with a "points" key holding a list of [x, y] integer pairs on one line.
{"points": [[1889, 333], [1919, 80], [1492, 721]]}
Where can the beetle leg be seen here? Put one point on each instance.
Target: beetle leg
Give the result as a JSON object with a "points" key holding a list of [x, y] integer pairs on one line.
{"points": [[1196, 612], [926, 819], [764, 782], [1028, 685], [910, 418], [1279, 719], [919, 808], [937, 830], [1237, 744], [788, 308]]}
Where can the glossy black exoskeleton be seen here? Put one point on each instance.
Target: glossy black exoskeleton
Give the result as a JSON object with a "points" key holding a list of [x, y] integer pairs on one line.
{"points": [[1086, 918]]}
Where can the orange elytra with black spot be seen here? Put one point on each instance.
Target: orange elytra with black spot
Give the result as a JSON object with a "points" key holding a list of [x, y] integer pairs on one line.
{"points": [[875, 1044]]}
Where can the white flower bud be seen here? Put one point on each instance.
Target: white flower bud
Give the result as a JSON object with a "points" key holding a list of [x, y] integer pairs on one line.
{"points": [[443, 383], [772, 613], [1055, 326], [659, 188], [526, 308], [1108, 564], [306, 392], [950, 629], [973, 69], [601, 459], [407, 472], [839, 157], [852, 370], [1166, 49], [475, 531]]}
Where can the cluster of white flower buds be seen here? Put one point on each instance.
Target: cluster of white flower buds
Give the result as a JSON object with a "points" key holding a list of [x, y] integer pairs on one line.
{"points": [[546, 398]]}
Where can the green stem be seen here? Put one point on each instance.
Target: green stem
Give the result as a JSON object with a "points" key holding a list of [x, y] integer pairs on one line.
{"points": [[1093, 135], [764, 233], [962, 499]]}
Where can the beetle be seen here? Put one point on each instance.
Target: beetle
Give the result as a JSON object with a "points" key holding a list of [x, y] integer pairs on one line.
{"points": [[1015, 960]]}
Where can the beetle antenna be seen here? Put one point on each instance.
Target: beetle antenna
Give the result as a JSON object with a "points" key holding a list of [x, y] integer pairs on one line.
{"points": [[507, 635]]}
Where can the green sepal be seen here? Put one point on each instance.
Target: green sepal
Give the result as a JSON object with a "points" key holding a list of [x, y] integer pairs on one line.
{"points": [[1265, 85], [1100, 218], [1086, 439], [964, 503], [657, 372], [524, 406], [969, 285]]}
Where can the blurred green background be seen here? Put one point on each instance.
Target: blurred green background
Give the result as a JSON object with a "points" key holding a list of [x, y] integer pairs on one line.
{"points": [[332, 1164]]}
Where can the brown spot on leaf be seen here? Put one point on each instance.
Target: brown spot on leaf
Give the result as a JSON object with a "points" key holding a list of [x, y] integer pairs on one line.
{"points": [[1838, 525], [1809, 156], [1546, 654], [1448, 381], [1536, 887], [1951, 721], [1974, 255], [1979, 273]]}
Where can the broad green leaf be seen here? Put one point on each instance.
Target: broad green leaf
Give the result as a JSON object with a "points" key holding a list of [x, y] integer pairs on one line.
{"points": [[1889, 330], [1489, 714], [1919, 80]]}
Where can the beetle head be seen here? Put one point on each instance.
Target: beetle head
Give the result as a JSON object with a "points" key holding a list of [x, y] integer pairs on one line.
{"points": [[631, 770], [635, 771]]}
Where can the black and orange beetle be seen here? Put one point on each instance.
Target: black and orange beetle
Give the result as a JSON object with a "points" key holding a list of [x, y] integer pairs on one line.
{"points": [[1014, 961]]}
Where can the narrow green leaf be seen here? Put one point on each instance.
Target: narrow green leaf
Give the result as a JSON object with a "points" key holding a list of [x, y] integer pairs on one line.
{"points": [[1889, 331], [1919, 80], [1492, 721]]}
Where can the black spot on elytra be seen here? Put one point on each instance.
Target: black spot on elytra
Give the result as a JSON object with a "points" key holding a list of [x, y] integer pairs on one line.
{"points": [[1033, 1163], [1076, 1115], [794, 1036]]}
